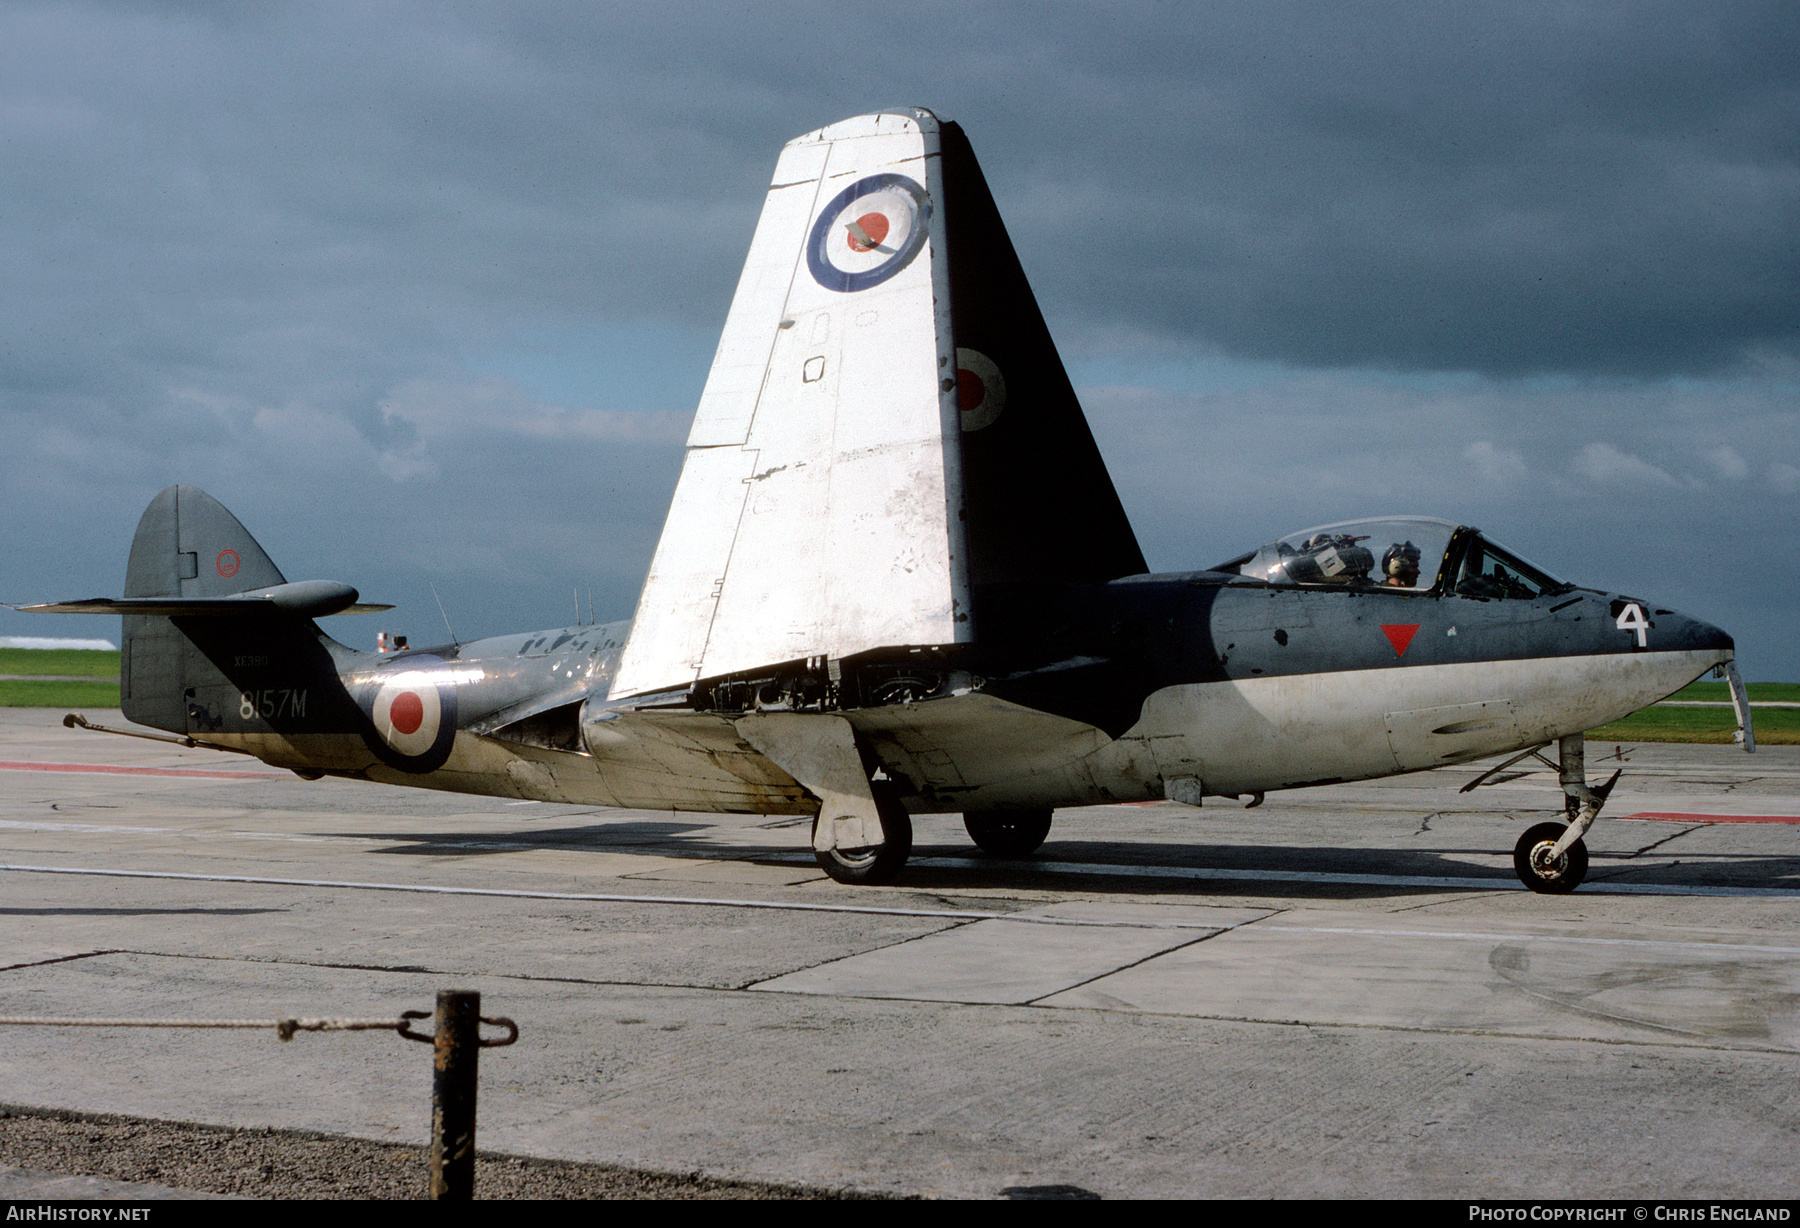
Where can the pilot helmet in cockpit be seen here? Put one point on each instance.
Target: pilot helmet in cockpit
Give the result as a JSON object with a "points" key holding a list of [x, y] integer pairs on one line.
{"points": [[1400, 566]]}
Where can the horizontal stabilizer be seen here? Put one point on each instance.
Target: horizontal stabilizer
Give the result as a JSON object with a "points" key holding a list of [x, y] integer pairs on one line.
{"points": [[304, 598]]}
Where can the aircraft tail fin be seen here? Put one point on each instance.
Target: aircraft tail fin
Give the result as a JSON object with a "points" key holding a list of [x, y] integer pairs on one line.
{"points": [[190, 555], [188, 545]]}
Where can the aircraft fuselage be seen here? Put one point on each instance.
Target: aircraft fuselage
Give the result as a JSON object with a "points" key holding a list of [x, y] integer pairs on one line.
{"points": [[1148, 687]]}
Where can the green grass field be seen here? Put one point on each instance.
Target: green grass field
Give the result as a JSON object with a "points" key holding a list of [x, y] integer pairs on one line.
{"points": [[1775, 726], [86, 662], [53, 692]]}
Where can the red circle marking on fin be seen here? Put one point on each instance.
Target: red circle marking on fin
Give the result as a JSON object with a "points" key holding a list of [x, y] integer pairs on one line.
{"points": [[970, 390]]}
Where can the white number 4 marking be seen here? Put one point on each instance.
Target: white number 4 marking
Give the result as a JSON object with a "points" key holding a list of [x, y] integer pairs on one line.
{"points": [[1632, 620]]}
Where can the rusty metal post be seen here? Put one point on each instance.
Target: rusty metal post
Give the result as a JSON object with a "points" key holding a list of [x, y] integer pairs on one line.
{"points": [[457, 1048]]}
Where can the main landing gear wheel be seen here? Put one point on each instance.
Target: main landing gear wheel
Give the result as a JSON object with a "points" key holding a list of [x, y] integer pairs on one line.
{"points": [[1542, 873], [1008, 833], [868, 867]]}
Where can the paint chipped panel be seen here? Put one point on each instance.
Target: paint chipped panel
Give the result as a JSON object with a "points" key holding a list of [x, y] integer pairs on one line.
{"points": [[499, 680]]}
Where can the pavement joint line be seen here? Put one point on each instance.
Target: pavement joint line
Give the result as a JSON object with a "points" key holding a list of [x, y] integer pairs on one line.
{"points": [[1704, 819], [1338, 878], [1674, 835], [1195, 941], [1570, 938], [608, 898], [63, 959], [1683, 1040], [1717, 1044]]}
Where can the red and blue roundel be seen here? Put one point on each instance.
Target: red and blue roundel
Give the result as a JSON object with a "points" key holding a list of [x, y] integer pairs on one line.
{"points": [[869, 232], [412, 708], [980, 389]]}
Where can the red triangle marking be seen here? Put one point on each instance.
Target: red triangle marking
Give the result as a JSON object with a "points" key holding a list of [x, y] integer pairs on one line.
{"points": [[1400, 636]]}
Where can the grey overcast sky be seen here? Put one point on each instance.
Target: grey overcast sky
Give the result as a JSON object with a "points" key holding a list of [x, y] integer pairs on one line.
{"points": [[426, 293]]}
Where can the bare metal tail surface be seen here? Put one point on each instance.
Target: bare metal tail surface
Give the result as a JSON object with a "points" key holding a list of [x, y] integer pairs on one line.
{"points": [[818, 512], [885, 426]]}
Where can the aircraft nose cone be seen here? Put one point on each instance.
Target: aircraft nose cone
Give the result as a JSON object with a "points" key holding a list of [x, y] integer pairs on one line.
{"points": [[1714, 637], [1690, 634]]}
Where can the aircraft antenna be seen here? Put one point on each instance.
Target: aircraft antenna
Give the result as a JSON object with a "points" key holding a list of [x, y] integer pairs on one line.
{"points": [[440, 603], [575, 591]]}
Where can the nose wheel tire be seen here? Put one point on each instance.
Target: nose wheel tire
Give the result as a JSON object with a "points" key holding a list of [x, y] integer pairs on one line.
{"points": [[868, 867], [1543, 873], [1008, 833]]}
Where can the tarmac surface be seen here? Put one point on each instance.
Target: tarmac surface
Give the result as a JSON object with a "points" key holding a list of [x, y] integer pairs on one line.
{"points": [[1344, 992]]}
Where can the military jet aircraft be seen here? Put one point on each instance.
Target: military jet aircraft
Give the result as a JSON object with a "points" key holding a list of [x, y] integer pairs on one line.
{"points": [[896, 579]]}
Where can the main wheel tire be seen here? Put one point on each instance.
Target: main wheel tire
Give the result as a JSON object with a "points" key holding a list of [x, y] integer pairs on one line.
{"points": [[1532, 862], [869, 867], [1008, 833]]}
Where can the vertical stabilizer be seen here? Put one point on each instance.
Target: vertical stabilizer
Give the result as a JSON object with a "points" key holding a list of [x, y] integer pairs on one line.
{"points": [[818, 511], [187, 545]]}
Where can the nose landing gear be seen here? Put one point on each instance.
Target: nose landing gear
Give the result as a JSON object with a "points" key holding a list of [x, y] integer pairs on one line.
{"points": [[1552, 859], [1540, 867]]}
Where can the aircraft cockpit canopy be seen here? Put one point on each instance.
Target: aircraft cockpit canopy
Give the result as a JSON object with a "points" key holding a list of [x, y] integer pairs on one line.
{"points": [[1409, 554]]}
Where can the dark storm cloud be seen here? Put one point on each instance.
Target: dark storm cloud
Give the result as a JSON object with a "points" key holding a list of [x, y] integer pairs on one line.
{"points": [[1521, 189], [1506, 188], [319, 194]]}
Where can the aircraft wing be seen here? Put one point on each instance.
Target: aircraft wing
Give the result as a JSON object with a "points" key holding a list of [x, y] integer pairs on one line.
{"points": [[818, 511], [886, 428]]}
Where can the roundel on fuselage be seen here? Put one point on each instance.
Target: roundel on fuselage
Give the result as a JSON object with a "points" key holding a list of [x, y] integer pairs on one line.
{"points": [[869, 232], [412, 713]]}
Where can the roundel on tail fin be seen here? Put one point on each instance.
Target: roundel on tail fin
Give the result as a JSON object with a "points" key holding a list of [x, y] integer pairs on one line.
{"points": [[412, 714], [980, 389], [869, 232]]}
